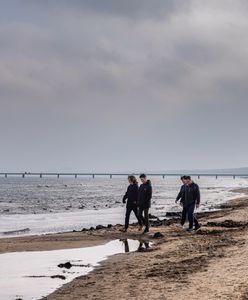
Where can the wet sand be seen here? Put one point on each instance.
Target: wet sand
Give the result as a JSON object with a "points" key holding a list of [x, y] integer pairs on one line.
{"points": [[53, 241], [68, 240], [211, 264]]}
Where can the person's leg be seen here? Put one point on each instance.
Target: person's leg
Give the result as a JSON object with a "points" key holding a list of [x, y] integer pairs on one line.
{"points": [[190, 210], [140, 212], [196, 223], [135, 210], [184, 214], [128, 212], [146, 212]]}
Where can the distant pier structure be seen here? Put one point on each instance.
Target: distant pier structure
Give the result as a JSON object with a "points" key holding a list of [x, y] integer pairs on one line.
{"points": [[110, 175]]}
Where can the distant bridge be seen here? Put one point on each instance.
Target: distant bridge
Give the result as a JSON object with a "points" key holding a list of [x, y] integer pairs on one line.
{"points": [[110, 175]]}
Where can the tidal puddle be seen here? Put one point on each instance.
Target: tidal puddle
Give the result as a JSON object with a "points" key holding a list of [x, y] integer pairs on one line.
{"points": [[33, 275]]}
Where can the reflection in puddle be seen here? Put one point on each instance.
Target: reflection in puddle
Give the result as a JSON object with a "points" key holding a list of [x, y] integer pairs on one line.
{"points": [[143, 245], [46, 271]]}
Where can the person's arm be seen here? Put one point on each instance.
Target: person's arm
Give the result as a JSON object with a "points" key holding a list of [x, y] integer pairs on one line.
{"points": [[139, 197], [125, 197], [136, 193], [179, 196], [149, 193], [198, 196]]}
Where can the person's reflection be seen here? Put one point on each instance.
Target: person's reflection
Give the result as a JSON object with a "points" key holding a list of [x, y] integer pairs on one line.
{"points": [[144, 245], [126, 245]]}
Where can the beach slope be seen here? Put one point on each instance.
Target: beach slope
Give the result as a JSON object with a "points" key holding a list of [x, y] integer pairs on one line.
{"points": [[212, 264]]}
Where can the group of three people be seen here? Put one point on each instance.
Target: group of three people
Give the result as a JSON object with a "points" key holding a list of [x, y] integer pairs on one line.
{"points": [[139, 201]]}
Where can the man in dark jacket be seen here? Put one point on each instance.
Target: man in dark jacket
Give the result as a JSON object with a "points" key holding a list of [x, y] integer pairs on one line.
{"points": [[144, 201], [190, 198], [132, 199]]}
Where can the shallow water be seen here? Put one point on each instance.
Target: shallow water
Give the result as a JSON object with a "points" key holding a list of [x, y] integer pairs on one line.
{"points": [[27, 275]]}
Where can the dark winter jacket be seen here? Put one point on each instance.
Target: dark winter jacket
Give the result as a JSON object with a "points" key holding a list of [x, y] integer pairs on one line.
{"points": [[189, 194], [145, 195], [131, 195]]}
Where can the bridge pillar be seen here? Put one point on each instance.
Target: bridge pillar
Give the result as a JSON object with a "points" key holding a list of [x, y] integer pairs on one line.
{"points": [[75, 176], [23, 175], [57, 175], [163, 176], [6, 175], [216, 176], [110, 176], [40, 175], [93, 176]]}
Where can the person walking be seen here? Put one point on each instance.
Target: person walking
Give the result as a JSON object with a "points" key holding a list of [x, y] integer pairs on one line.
{"points": [[180, 195], [132, 198], [190, 198], [144, 201]]}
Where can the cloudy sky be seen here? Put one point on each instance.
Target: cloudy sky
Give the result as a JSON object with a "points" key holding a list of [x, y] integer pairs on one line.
{"points": [[114, 85]]}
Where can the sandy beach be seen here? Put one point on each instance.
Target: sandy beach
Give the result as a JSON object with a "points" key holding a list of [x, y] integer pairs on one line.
{"points": [[211, 264], [116, 114]]}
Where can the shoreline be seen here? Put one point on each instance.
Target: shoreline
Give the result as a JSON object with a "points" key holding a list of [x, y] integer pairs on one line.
{"points": [[98, 235], [163, 272], [211, 264], [87, 237], [52, 221]]}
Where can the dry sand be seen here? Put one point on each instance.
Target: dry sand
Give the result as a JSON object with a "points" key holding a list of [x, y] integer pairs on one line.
{"points": [[211, 264]]}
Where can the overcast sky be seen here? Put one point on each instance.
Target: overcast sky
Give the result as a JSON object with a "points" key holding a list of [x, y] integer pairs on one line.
{"points": [[114, 85]]}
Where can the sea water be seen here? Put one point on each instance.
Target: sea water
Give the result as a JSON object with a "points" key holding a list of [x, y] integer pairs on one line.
{"points": [[48, 205]]}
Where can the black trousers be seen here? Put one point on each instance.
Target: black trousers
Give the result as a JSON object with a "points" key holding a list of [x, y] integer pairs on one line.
{"points": [[144, 219], [128, 213], [188, 211]]}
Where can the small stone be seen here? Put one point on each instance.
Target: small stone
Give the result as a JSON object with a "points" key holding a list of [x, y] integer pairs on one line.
{"points": [[158, 235], [152, 217], [173, 214], [58, 276], [99, 227], [66, 265]]}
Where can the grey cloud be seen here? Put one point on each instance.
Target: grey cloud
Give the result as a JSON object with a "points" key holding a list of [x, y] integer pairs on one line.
{"points": [[81, 80], [128, 8]]}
